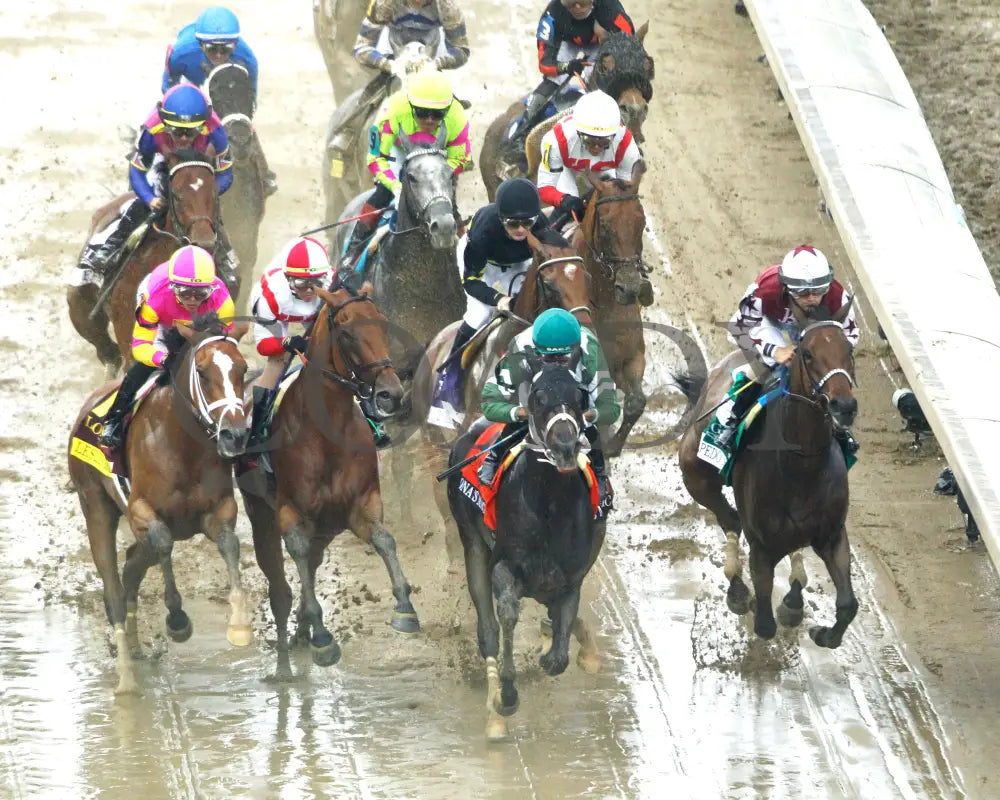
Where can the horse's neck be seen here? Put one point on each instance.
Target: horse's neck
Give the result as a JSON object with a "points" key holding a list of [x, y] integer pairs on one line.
{"points": [[805, 425], [544, 480]]}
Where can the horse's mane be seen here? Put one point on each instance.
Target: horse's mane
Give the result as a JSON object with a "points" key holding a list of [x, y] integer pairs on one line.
{"points": [[552, 237], [190, 154], [630, 69], [620, 184], [818, 313], [209, 324]]}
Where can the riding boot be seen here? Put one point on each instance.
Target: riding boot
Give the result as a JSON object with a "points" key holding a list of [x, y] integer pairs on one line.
{"points": [[102, 258], [260, 427], [488, 469], [534, 108], [227, 263], [728, 435], [359, 239], [111, 433], [606, 492], [382, 439], [847, 440]]}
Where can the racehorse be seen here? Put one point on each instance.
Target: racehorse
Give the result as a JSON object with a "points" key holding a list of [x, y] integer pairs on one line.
{"points": [[546, 539], [789, 480], [192, 217], [622, 69], [242, 207], [177, 449], [610, 240], [414, 270], [326, 471]]}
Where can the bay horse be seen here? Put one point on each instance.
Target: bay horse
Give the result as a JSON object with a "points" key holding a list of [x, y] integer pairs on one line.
{"points": [[609, 238], [789, 479], [192, 218], [178, 449], [546, 539], [414, 271], [622, 69], [242, 207], [326, 471]]}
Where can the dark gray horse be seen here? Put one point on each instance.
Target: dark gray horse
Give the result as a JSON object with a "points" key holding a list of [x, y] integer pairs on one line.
{"points": [[242, 207], [546, 539], [789, 480], [414, 270]]}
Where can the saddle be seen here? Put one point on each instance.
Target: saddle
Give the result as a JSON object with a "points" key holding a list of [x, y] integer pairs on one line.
{"points": [[85, 441], [483, 496]]}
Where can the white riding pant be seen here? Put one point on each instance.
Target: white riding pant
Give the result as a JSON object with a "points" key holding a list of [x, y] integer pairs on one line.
{"points": [[505, 279]]}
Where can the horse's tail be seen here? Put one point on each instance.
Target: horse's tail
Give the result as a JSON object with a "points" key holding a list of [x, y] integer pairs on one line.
{"points": [[691, 384]]}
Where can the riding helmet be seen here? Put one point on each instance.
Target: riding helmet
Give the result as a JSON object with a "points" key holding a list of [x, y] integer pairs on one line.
{"points": [[191, 266], [429, 90], [555, 332], [597, 114], [805, 267], [306, 258], [216, 24], [517, 198], [184, 106]]}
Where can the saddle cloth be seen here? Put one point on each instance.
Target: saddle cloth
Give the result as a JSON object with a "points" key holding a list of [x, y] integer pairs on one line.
{"points": [[483, 496]]}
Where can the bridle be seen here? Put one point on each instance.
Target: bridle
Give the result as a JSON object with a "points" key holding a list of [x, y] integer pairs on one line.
{"points": [[817, 396], [172, 206], [199, 403], [363, 390], [611, 264], [540, 289], [435, 198]]}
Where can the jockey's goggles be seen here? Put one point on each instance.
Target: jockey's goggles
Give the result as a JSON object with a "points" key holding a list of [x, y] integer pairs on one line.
{"points": [[301, 284], [182, 133], [809, 290], [515, 222], [199, 293], [594, 141], [429, 113], [578, 3], [219, 48], [556, 358]]}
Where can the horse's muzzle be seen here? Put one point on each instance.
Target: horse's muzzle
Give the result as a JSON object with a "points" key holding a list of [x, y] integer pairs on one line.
{"points": [[844, 408], [441, 231], [232, 442]]}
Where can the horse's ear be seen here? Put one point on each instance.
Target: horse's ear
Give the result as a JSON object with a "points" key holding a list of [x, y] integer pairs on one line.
{"points": [[405, 141], [239, 330], [326, 296], [594, 180], [441, 142], [647, 65], [643, 30], [367, 289], [800, 315], [533, 242], [841, 313], [574, 359], [187, 331], [637, 172]]}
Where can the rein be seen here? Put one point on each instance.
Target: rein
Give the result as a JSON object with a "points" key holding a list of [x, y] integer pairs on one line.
{"points": [[353, 382], [172, 207], [435, 198], [610, 264]]}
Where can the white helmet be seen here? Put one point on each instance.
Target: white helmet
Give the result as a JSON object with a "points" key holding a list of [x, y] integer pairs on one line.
{"points": [[597, 114], [805, 269]]}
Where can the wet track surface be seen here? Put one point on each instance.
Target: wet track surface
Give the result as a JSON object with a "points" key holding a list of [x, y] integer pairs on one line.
{"points": [[688, 703]]}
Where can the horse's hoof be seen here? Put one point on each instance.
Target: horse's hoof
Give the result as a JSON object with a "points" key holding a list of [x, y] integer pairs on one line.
{"points": [[789, 617], [496, 729], [554, 665], [765, 629], [126, 686], [824, 637], [738, 596], [239, 635], [405, 621], [179, 627], [327, 655], [507, 702], [589, 662]]}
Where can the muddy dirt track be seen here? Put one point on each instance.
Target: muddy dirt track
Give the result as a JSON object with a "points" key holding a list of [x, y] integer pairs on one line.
{"points": [[687, 704]]}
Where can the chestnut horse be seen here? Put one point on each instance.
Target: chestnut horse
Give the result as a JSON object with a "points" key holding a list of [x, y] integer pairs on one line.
{"points": [[178, 448], [789, 481], [326, 471], [192, 217], [610, 241]]}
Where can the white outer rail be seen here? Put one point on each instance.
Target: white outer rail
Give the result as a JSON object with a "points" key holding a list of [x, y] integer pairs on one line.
{"points": [[885, 185]]}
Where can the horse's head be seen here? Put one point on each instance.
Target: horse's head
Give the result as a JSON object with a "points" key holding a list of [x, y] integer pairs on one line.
{"points": [[823, 368], [624, 70], [557, 279], [428, 194], [613, 227], [231, 92], [212, 376], [354, 335], [555, 414], [193, 198]]}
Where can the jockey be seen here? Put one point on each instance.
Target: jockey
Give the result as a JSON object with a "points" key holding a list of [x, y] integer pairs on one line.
{"points": [[408, 21], [210, 41], [287, 294], [183, 119], [175, 292], [764, 322], [554, 337], [567, 39], [493, 255], [590, 137], [419, 110]]}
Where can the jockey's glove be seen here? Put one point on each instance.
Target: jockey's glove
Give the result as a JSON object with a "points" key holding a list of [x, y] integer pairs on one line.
{"points": [[294, 344], [384, 64], [445, 62], [572, 204], [503, 304], [574, 67]]}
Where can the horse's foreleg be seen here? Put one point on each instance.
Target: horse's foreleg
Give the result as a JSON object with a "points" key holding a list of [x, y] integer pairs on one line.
{"points": [[836, 554], [161, 541], [589, 657], [635, 401], [81, 301], [791, 610], [508, 601], [563, 615], [238, 630], [267, 550], [300, 545], [738, 595], [404, 617], [477, 571], [139, 557], [762, 571]]}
